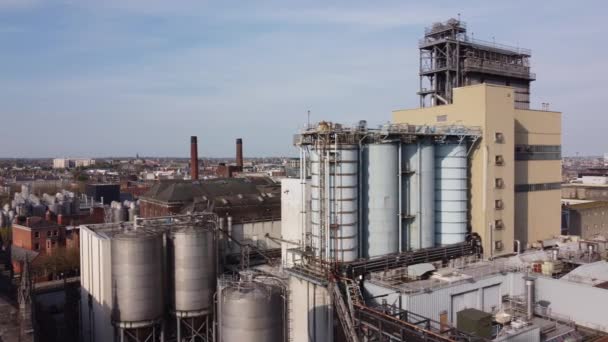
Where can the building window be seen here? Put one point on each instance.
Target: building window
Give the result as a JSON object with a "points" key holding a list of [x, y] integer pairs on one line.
{"points": [[498, 204], [498, 224], [36, 234], [538, 152], [499, 137], [48, 233], [54, 232], [538, 187], [499, 183], [498, 245], [500, 160], [36, 246]]}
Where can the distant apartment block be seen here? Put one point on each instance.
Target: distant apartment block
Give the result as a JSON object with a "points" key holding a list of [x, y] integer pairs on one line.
{"points": [[70, 163]]}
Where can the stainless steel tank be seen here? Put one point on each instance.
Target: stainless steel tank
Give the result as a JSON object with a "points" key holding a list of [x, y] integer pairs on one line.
{"points": [[192, 270], [137, 274], [381, 199], [451, 193], [334, 202], [251, 311], [119, 214], [419, 194], [133, 211]]}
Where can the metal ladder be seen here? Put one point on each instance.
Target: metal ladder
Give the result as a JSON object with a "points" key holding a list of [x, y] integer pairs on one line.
{"points": [[343, 314], [289, 336]]}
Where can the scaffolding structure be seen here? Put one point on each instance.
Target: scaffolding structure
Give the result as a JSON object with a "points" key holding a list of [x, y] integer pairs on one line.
{"points": [[450, 58]]}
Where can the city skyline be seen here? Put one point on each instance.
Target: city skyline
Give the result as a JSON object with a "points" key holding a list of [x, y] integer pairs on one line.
{"points": [[116, 78]]}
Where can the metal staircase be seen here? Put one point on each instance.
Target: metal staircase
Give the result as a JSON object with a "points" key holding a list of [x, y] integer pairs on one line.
{"points": [[346, 318], [353, 295]]}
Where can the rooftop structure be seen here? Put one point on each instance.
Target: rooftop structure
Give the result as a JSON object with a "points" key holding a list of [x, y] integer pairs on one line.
{"points": [[449, 58]]}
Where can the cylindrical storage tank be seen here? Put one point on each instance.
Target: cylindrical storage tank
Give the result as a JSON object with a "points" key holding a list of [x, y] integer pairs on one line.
{"points": [[419, 160], [344, 205], [334, 202], [451, 194], [192, 270], [137, 273], [133, 211], [381, 199], [120, 213], [251, 311]]}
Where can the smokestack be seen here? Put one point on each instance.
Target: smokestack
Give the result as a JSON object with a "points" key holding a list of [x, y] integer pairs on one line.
{"points": [[193, 158], [239, 152]]}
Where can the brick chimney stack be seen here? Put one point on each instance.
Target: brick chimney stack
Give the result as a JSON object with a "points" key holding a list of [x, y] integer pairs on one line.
{"points": [[239, 153], [193, 158]]}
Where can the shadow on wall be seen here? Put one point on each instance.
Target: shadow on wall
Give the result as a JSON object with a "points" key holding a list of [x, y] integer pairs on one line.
{"points": [[57, 314], [96, 324], [320, 324], [522, 173]]}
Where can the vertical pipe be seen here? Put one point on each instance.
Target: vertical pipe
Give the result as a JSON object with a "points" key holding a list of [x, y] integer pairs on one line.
{"points": [[337, 217], [179, 329], [193, 158], [400, 192], [303, 195], [529, 298], [229, 221], [327, 191]]}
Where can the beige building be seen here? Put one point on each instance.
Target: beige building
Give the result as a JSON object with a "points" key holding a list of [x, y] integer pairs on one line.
{"points": [[515, 168]]}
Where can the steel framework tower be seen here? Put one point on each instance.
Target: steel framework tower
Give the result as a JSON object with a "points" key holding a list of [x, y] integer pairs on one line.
{"points": [[449, 58]]}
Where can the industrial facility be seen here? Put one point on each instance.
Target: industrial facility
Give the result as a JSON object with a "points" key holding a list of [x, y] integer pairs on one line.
{"points": [[443, 225]]}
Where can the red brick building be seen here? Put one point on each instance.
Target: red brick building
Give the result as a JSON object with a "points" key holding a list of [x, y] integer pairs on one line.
{"points": [[38, 234]]}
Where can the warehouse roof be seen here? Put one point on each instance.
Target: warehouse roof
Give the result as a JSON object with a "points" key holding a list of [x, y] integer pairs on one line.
{"points": [[245, 199], [593, 274]]}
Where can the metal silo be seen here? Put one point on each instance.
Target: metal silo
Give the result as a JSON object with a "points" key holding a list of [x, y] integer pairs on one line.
{"points": [[251, 310], [334, 201], [451, 193], [192, 279], [344, 189], [381, 199], [137, 278], [419, 193]]}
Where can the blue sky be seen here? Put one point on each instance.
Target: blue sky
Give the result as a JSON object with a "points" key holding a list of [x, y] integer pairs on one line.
{"points": [[119, 77]]}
